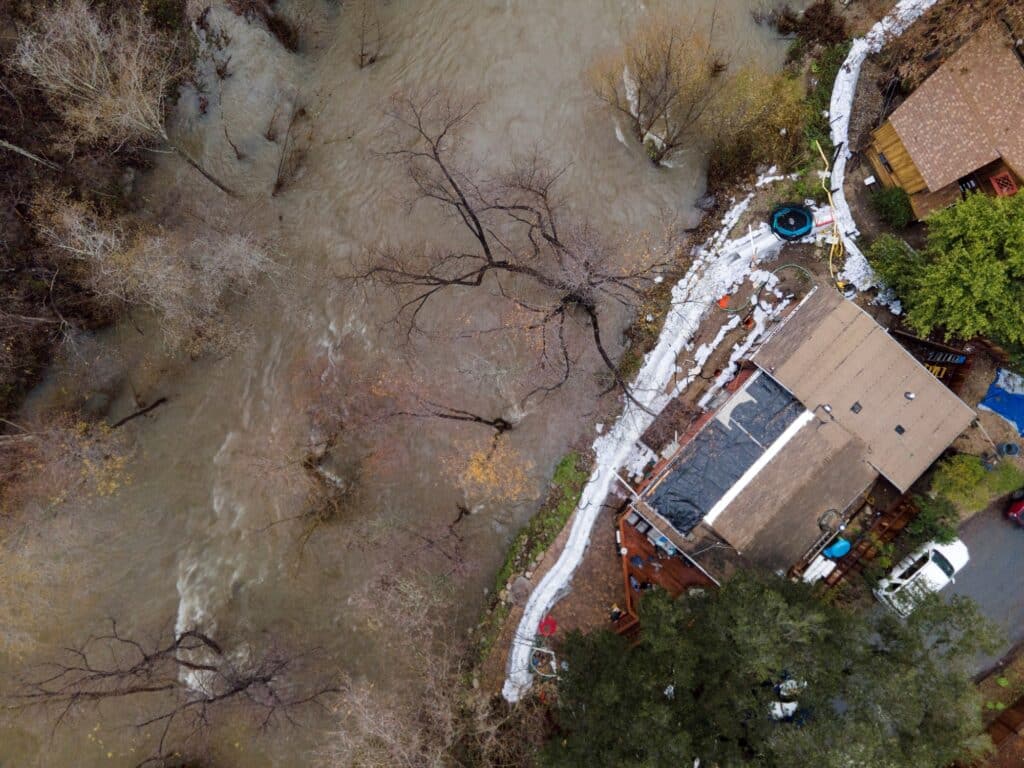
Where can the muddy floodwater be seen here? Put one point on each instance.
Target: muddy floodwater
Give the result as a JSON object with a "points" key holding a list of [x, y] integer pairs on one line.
{"points": [[200, 535]]}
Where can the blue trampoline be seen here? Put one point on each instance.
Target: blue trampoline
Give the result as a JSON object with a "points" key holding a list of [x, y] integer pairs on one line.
{"points": [[792, 221]]}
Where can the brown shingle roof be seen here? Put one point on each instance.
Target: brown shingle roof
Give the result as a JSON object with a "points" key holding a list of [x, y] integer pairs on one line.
{"points": [[968, 113], [774, 519], [830, 352]]}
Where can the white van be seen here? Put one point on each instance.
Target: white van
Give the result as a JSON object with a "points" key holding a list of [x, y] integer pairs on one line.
{"points": [[927, 570]]}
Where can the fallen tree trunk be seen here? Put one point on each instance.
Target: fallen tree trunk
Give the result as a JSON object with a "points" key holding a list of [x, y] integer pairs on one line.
{"points": [[141, 412]]}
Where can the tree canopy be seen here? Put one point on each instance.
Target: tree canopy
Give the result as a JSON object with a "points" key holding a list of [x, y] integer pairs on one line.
{"points": [[871, 689], [969, 278]]}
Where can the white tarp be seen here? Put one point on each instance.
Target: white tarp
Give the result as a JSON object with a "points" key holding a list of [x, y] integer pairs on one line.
{"points": [[718, 268], [857, 270]]}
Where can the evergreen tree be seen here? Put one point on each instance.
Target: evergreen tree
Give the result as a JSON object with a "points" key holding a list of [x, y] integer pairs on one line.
{"points": [[969, 279], [708, 670]]}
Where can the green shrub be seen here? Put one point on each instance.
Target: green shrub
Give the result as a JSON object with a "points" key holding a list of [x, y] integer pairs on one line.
{"points": [[964, 481], [1004, 478], [960, 479], [899, 265], [893, 205], [937, 521]]}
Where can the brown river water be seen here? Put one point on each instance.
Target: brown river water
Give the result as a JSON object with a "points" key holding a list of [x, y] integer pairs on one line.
{"points": [[189, 539]]}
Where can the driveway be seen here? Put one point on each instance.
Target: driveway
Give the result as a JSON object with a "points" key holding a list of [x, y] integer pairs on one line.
{"points": [[994, 577]]}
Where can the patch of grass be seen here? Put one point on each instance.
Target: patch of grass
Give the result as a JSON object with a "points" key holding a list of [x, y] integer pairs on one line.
{"points": [[570, 476], [806, 186], [489, 628], [893, 205], [537, 535]]}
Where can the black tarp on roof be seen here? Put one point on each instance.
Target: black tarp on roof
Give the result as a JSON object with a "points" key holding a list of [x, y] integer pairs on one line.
{"points": [[723, 450]]}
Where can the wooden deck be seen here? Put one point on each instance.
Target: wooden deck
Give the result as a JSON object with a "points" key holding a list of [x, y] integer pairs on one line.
{"points": [[884, 529], [646, 564], [1007, 734]]}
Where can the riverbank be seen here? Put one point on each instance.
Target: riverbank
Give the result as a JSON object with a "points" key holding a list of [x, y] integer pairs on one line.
{"points": [[211, 531], [613, 451]]}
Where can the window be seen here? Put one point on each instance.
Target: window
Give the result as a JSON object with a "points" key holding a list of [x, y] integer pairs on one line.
{"points": [[943, 563], [915, 566], [899, 429], [856, 407]]}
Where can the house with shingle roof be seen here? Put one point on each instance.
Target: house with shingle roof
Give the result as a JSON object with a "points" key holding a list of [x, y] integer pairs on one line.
{"points": [[961, 130], [827, 405]]}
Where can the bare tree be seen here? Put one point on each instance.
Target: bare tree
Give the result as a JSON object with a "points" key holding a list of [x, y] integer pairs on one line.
{"points": [[179, 684], [370, 31], [298, 138], [185, 280], [46, 461], [108, 78], [437, 720], [551, 274], [664, 81]]}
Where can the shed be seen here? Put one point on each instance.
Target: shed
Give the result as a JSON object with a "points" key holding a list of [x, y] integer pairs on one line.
{"points": [[961, 129]]}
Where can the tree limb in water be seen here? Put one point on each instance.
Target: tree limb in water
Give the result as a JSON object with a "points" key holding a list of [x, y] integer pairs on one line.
{"points": [[141, 412], [550, 273]]}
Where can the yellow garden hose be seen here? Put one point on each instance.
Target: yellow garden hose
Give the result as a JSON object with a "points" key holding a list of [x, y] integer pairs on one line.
{"points": [[836, 247]]}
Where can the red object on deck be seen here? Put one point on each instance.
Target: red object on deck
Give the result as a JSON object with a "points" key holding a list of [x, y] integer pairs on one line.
{"points": [[548, 627], [1003, 184], [724, 301]]}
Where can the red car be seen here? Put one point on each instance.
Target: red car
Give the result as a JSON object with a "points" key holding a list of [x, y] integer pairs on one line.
{"points": [[1015, 511]]}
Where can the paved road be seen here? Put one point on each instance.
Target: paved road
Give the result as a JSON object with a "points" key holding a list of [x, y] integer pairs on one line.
{"points": [[994, 577]]}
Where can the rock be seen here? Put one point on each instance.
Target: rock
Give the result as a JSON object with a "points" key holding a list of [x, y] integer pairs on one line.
{"points": [[503, 595], [706, 202], [528, 575], [521, 589]]}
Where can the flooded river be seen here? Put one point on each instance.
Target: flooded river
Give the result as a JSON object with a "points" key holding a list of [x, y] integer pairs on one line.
{"points": [[200, 535]]}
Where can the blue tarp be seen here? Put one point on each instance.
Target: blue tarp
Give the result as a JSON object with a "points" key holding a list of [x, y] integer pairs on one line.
{"points": [[1005, 396]]}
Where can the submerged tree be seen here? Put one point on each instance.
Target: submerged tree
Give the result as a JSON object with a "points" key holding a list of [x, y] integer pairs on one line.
{"points": [[674, 87], [437, 719], [186, 280], [370, 31], [710, 673], [109, 78], [178, 683], [662, 81], [548, 273]]}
